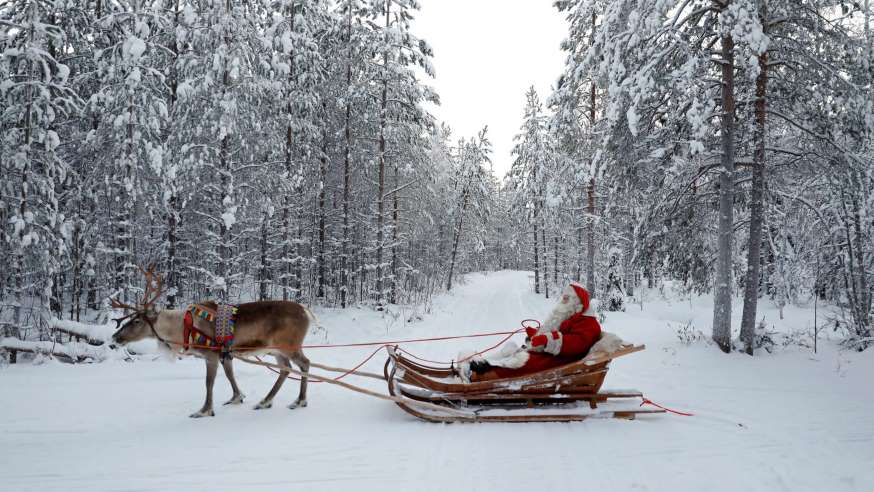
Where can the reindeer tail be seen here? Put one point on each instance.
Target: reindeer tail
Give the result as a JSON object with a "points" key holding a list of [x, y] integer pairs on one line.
{"points": [[312, 316]]}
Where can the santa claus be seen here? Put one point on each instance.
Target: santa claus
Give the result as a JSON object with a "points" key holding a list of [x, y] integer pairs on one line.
{"points": [[567, 335]]}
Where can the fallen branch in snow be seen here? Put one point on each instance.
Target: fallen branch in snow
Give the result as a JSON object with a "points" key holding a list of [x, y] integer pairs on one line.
{"points": [[92, 334], [69, 352]]}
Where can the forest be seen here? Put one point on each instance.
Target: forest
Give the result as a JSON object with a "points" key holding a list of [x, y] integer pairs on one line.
{"points": [[284, 149]]}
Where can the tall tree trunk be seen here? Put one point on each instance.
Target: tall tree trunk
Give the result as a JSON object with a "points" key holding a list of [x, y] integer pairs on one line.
{"points": [[536, 223], [298, 260], [754, 262], [226, 181], [578, 274], [263, 292], [76, 260], [323, 170], [590, 198], [457, 238], [545, 264], [590, 235], [224, 232], [863, 322], [286, 240], [380, 199], [555, 261], [394, 245], [126, 221], [173, 213], [723, 280], [18, 266], [289, 170], [172, 244], [347, 133]]}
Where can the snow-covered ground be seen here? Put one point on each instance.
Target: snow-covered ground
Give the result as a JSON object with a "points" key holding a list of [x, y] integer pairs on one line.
{"points": [[791, 420]]}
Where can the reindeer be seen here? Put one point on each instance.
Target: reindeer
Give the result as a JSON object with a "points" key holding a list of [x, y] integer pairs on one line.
{"points": [[276, 328]]}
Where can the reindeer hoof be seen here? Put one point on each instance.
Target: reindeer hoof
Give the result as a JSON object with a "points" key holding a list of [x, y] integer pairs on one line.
{"points": [[235, 400], [264, 405], [298, 403], [202, 413]]}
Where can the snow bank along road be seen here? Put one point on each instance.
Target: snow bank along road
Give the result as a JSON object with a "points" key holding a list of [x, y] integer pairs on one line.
{"points": [[790, 421]]}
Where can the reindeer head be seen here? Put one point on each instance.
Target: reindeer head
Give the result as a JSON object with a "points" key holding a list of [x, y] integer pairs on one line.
{"points": [[137, 325]]}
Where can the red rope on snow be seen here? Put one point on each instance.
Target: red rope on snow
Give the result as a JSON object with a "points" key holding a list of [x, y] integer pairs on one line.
{"points": [[647, 401], [397, 342], [341, 376], [412, 340], [407, 352], [381, 344], [471, 356], [393, 343]]}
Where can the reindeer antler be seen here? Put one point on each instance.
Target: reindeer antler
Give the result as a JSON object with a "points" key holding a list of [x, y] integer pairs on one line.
{"points": [[120, 305], [154, 287]]}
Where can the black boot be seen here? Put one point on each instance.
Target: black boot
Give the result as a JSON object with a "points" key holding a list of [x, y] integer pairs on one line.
{"points": [[480, 366]]}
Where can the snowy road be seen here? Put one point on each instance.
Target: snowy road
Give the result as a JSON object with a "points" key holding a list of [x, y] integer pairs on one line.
{"points": [[790, 421]]}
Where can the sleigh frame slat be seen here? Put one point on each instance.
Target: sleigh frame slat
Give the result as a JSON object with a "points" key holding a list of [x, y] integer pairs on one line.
{"points": [[531, 398]]}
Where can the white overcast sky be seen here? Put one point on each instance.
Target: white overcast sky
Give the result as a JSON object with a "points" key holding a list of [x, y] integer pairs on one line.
{"points": [[486, 55]]}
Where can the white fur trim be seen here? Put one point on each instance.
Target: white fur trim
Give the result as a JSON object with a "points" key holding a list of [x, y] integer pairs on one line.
{"points": [[553, 342], [463, 368], [608, 343], [592, 311], [510, 356]]}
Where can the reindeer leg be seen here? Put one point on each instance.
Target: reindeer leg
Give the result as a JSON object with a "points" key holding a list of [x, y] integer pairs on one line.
{"points": [[228, 366], [267, 402], [211, 369], [303, 363]]}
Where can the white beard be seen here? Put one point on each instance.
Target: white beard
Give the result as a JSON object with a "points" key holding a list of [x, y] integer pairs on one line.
{"points": [[562, 311]]}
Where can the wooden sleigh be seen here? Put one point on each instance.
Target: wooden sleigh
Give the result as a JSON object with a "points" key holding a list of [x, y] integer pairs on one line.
{"points": [[567, 393]]}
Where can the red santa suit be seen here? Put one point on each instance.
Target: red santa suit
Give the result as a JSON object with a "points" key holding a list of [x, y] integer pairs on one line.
{"points": [[566, 336]]}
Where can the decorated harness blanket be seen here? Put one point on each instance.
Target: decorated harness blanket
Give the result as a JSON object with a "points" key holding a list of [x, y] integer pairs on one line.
{"points": [[223, 319]]}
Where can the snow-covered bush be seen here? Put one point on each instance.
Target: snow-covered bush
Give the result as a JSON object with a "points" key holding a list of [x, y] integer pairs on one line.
{"points": [[689, 335]]}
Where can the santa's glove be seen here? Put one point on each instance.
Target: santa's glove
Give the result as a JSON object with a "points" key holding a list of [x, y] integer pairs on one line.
{"points": [[480, 366], [530, 332], [549, 343]]}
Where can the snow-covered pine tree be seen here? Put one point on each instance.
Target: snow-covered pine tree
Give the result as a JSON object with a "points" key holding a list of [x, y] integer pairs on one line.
{"points": [[401, 121], [132, 108], [472, 192], [533, 154], [37, 98]]}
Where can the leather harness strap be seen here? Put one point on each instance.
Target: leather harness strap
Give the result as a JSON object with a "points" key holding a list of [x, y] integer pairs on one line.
{"points": [[188, 325], [189, 331], [151, 324]]}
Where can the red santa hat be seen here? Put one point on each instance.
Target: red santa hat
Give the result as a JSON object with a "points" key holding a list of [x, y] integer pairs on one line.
{"points": [[583, 294]]}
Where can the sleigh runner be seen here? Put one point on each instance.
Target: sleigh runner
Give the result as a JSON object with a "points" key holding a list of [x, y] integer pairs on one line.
{"points": [[568, 393]]}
